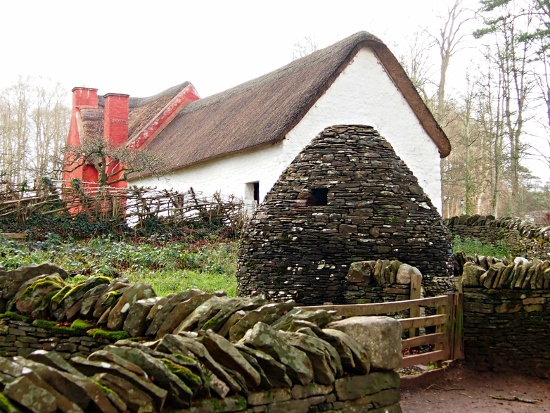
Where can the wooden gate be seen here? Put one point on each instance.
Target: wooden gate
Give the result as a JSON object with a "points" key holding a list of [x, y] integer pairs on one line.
{"points": [[446, 342]]}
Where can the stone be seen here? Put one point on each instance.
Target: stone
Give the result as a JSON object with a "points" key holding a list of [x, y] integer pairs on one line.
{"points": [[179, 394], [63, 301], [274, 371], [360, 271], [160, 304], [312, 389], [324, 358], [231, 321], [90, 298], [227, 355], [405, 272], [32, 293], [264, 338], [65, 383], [133, 293], [353, 356], [135, 399], [269, 396], [318, 317], [267, 314], [109, 298], [355, 387], [136, 321], [470, 274], [180, 312], [159, 313], [54, 360], [109, 357], [488, 278], [294, 406], [228, 404], [231, 306], [177, 344], [34, 398], [379, 336], [201, 314], [12, 280], [90, 368], [265, 384]]}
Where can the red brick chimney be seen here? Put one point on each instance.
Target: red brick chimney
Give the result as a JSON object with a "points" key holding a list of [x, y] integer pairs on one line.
{"points": [[115, 118], [84, 97]]}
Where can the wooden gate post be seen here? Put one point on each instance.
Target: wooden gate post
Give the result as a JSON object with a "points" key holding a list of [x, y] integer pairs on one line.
{"points": [[415, 293]]}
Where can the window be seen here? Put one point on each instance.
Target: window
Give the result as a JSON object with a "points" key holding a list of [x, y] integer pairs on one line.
{"points": [[318, 197]]}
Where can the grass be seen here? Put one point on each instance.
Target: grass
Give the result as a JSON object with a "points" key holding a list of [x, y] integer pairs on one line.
{"points": [[170, 267], [471, 247], [208, 265]]}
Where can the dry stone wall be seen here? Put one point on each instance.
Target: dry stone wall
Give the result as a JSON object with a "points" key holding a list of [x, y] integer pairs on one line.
{"points": [[520, 237], [507, 314], [20, 338], [346, 197], [190, 352]]}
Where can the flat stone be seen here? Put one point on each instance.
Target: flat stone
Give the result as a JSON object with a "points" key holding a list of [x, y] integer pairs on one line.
{"points": [[275, 371], [179, 394], [227, 355], [264, 338], [136, 321], [160, 311], [353, 355], [355, 387], [269, 396], [35, 398], [405, 272], [180, 318], [90, 368], [379, 336], [178, 344], [133, 293], [12, 280], [324, 358], [267, 314]]}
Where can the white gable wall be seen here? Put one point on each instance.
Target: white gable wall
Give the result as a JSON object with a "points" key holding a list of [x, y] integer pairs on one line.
{"points": [[362, 94]]}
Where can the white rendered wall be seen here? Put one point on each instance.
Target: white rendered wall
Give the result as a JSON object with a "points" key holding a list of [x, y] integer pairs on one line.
{"points": [[362, 94]]}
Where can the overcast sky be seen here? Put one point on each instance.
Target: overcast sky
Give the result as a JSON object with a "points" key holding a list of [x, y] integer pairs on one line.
{"points": [[144, 47], [141, 48]]}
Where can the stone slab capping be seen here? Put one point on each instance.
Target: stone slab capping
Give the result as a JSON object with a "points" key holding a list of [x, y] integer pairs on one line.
{"points": [[520, 237], [346, 197], [507, 314], [186, 352]]}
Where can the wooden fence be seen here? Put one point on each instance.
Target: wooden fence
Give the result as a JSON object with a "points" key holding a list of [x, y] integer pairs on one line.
{"points": [[134, 205], [446, 342]]}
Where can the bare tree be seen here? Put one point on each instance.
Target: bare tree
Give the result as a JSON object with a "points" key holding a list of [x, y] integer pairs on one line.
{"points": [[513, 54], [33, 128], [113, 164], [448, 40]]}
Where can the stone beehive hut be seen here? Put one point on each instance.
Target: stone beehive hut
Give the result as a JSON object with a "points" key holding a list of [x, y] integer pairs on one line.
{"points": [[346, 197]]}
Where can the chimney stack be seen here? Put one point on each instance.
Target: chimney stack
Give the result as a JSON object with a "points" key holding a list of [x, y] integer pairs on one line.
{"points": [[115, 123], [85, 97]]}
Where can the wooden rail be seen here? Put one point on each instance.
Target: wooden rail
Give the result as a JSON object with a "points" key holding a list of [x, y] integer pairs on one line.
{"points": [[447, 320]]}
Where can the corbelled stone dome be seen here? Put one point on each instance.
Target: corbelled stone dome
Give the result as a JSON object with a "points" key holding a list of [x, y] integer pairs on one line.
{"points": [[346, 197]]}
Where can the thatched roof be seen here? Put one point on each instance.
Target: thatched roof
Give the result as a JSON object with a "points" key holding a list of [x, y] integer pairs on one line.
{"points": [[262, 111]]}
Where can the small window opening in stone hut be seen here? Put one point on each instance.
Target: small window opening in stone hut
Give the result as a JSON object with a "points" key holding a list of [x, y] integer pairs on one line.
{"points": [[252, 196], [318, 196]]}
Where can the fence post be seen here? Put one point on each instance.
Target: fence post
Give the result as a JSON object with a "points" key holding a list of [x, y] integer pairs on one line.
{"points": [[415, 293]]}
